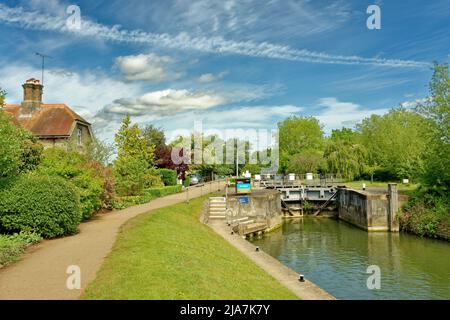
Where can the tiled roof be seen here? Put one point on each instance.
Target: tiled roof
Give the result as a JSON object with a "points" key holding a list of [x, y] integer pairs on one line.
{"points": [[50, 120]]}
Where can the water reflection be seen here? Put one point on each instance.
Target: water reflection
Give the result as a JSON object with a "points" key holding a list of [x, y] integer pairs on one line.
{"points": [[335, 255]]}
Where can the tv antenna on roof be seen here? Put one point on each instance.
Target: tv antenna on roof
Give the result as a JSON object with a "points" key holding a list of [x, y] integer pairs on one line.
{"points": [[43, 56]]}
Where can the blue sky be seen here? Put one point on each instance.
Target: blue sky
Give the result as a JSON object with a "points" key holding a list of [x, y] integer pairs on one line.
{"points": [[231, 64]]}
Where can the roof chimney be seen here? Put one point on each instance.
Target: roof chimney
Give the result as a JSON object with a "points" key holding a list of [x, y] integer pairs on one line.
{"points": [[32, 97]]}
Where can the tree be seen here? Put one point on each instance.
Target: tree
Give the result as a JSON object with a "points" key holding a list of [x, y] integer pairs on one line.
{"points": [[345, 155], [307, 161], [133, 168], [437, 111], [296, 135], [19, 150], [2, 97], [345, 158], [395, 142], [100, 151], [131, 143], [154, 135], [163, 159]]}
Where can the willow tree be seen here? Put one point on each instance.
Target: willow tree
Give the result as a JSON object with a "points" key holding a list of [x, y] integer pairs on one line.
{"points": [[346, 159]]}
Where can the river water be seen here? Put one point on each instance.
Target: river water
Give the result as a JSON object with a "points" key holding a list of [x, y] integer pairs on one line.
{"points": [[335, 256]]}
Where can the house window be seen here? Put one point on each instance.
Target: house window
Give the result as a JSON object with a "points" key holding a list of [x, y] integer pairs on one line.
{"points": [[79, 136]]}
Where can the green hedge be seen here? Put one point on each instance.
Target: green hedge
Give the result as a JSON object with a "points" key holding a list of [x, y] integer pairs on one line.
{"points": [[168, 176], [46, 205], [148, 195]]}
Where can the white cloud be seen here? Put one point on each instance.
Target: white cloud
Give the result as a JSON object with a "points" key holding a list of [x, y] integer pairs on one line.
{"points": [[147, 67], [210, 77], [243, 117], [163, 103], [414, 103], [183, 41], [336, 114]]}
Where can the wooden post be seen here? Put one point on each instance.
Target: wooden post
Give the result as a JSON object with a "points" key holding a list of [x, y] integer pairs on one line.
{"points": [[393, 207], [187, 194]]}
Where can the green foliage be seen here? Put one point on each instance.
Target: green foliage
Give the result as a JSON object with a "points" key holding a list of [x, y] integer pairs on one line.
{"points": [[49, 206], [395, 142], [345, 157], [12, 246], [252, 168], [307, 161], [75, 167], [437, 111], [425, 211], [2, 97], [133, 175], [133, 168], [299, 135], [19, 150], [155, 136], [132, 144], [187, 181], [146, 196], [168, 176], [99, 151]]}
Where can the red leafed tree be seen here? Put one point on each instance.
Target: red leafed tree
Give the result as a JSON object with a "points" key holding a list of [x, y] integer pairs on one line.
{"points": [[163, 159]]}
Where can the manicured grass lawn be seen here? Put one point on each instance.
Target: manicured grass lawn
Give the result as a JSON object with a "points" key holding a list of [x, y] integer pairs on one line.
{"points": [[377, 184], [169, 254]]}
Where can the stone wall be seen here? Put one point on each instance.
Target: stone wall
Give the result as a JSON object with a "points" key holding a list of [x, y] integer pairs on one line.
{"points": [[260, 205]]}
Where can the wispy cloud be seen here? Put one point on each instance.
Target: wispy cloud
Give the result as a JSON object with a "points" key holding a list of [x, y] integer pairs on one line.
{"points": [[210, 77], [17, 16]]}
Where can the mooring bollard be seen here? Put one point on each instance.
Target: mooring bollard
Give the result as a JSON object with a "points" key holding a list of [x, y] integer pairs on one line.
{"points": [[301, 278]]}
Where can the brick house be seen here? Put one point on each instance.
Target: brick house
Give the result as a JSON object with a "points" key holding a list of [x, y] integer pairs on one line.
{"points": [[53, 124]]}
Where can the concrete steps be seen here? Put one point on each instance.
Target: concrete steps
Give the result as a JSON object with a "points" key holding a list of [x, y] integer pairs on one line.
{"points": [[217, 208]]}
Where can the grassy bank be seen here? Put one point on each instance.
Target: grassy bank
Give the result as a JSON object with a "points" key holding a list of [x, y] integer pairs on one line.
{"points": [[12, 246], [169, 254], [377, 184]]}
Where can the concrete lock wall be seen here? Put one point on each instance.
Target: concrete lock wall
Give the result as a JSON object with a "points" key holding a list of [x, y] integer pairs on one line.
{"points": [[260, 205], [371, 212]]}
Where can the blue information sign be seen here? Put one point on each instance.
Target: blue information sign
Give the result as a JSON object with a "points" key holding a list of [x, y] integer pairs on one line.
{"points": [[243, 200]]}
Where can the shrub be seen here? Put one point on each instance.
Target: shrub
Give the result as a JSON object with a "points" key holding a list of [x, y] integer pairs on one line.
{"points": [[87, 176], [12, 246], [168, 176], [48, 206], [187, 181], [425, 211]]}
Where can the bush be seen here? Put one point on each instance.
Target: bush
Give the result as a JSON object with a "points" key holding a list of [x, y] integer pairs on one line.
{"points": [[48, 206], [168, 176], [425, 211], [187, 181], [12, 246], [89, 177]]}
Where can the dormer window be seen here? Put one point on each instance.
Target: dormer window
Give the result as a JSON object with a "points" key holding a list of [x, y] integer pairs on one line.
{"points": [[79, 136]]}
